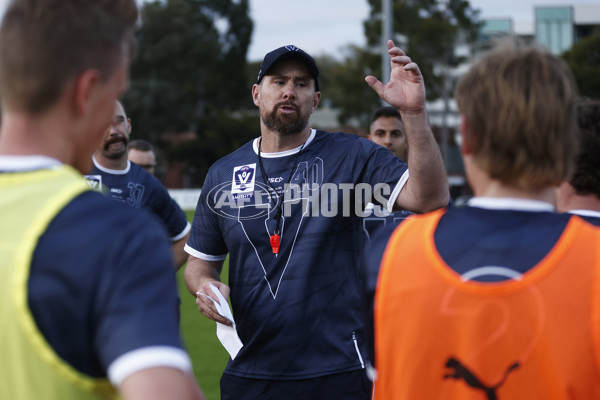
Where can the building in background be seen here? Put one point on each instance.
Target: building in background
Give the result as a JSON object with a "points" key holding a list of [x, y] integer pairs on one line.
{"points": [[493, 27], [556, 27], [559, 28]]}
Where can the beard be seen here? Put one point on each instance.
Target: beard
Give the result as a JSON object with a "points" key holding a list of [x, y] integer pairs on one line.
{"points": [[286, 124]]}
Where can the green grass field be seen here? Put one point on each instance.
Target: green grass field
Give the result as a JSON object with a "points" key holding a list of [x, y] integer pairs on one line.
{"points": [[200, 337]]}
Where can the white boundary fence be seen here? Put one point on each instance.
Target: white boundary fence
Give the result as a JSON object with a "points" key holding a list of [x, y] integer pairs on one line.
{"points": [[186, 198]]}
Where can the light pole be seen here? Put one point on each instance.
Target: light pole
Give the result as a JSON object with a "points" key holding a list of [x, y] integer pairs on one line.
{"points": [[386, 33]]}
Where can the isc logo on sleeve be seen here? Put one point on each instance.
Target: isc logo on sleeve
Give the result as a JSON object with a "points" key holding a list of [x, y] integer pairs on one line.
{"points": [[243, 179]]}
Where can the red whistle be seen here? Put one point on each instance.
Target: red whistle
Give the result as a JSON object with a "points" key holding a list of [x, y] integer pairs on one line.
{"points": [[275, 243]]}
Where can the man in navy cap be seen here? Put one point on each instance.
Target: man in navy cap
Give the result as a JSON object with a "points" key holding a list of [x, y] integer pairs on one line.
{"points": [[287, 207]]}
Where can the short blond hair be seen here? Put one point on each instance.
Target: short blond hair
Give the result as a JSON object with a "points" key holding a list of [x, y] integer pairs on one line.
{"points": [[519, 103]]}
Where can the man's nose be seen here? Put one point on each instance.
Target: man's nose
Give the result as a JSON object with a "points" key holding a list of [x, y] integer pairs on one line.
{"points": [[112, 130], [289, 91]]}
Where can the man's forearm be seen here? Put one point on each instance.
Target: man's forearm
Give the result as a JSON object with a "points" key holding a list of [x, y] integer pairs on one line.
{"points": [[427, 187], [199, 271], [161, 383], [179, 255]]}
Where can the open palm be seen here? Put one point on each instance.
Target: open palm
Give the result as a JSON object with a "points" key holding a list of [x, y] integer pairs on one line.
{"points": [[406, 90]]}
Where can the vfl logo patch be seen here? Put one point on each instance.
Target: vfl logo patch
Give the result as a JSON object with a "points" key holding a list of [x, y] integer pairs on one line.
{"points": [[243, 179], [93, 181]]}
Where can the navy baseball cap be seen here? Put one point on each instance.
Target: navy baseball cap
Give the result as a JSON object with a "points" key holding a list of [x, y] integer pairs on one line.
{"points": [[285, 53]]}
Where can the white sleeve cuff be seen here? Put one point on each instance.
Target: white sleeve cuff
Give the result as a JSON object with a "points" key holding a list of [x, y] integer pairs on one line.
{"points": [[147, 357], [202, 256], [184, 232], [399, 186]]}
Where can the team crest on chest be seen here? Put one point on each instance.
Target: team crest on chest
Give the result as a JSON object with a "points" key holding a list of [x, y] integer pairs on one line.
{"points": [[93, 181], [243, 179]]}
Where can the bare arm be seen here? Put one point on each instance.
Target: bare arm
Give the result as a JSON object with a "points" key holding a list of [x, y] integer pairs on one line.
{"points": [[160, 383], [427, 187], [179, 254], [199, 274]]}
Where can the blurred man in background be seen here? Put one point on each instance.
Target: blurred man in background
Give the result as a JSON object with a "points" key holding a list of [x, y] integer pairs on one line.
{"points": [[580, 194], [129, 183], [387, 130], [142, 153]]}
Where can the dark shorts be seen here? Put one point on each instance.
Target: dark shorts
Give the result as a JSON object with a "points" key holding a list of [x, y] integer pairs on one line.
{"points": [[353, 385]]}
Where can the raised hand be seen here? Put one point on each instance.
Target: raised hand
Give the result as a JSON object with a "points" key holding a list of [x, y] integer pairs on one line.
{"points": [[406, 89]]}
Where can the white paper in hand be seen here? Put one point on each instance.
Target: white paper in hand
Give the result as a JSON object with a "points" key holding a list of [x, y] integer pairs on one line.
{"points": [[226, 334]]}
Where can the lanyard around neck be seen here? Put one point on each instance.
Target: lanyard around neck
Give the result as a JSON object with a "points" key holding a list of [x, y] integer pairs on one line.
{"points": [[276, 237]]}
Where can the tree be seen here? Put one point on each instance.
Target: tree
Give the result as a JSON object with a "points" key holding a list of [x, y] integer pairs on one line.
{"points": [[343, 83], [222, 134], [432, 29], [584, 60], [189, 68], [191, 53]]}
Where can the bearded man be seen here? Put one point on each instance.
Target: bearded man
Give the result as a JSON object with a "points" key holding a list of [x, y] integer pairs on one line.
{"points": [[287, 207]]}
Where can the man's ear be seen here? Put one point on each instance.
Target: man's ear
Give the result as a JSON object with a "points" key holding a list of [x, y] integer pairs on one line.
{"points": [[316, 99], [468, 143], [85, 89], [256, 94], [129, 125]]}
